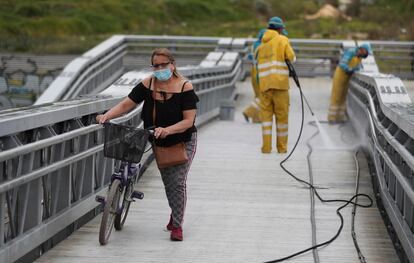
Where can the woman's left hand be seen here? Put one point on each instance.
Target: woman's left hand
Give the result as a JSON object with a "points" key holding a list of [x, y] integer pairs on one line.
{"points": [[161, 132]]}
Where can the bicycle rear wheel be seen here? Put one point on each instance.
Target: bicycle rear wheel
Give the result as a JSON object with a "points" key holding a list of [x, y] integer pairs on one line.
{"points": [[110, 211], [121, 217]]}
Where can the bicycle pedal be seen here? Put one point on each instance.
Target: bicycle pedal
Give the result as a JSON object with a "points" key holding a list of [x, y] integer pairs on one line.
{"points": [[137, 195], [100, 199]]}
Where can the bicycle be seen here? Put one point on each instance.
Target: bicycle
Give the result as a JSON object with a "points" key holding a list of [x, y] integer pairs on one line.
{"points": [[126, 144]]}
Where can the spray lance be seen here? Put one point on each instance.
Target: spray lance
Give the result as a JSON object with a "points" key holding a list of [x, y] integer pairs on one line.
{"points": [[292, 73], [327, 141]]}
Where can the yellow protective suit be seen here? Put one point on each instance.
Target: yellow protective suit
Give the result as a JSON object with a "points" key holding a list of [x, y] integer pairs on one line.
{"points": [[274, 86], [253, 110], [349, 63]]}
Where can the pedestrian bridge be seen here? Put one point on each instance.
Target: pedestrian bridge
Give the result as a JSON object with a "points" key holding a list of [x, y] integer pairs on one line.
{"points": [[242, 207]]}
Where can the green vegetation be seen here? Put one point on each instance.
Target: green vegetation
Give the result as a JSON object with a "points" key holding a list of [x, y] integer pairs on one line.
{"points": [[73, 26]]}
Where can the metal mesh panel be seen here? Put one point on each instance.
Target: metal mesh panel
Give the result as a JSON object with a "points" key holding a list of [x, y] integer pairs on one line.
{"points": [[125, 143]]}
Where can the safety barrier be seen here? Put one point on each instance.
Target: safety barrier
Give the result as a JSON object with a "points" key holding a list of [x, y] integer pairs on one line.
{"points": [[395, 57], [51, 160], [392, 57], [97, 68], [319, 57], [382, 114], [102, 65]]}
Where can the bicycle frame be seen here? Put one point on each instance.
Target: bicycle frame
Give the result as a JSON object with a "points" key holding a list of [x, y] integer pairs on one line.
{"points": [[125, 172], [123, 175]]}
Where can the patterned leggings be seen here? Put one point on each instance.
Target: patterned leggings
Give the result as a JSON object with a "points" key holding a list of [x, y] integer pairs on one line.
{"points": [[175, 180]]}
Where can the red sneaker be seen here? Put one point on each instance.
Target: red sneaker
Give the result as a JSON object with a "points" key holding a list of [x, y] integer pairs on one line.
{"points": [[170, 224], [177, 234]]}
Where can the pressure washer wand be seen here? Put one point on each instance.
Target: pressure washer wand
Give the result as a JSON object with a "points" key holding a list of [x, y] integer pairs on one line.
{"points": [[292, 73]]}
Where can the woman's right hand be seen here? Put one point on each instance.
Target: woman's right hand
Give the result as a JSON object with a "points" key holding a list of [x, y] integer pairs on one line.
{"points": [[101, 118]]}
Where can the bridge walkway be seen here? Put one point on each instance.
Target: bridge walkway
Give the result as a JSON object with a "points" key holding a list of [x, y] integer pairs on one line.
{"points": [[241, 206]]}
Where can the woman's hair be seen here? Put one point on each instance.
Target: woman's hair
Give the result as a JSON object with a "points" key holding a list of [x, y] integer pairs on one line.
{"points": [[166, 53]]}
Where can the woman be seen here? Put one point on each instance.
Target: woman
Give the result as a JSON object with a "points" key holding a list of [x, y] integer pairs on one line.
{"points": [[175, 112]]}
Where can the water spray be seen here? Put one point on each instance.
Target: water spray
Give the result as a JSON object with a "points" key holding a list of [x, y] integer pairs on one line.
{"points": [[292, 72], [324, 135]]}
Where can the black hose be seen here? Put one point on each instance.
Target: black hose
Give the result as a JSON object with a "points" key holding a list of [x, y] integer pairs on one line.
{"points": [[312, 198], [345, 202], [353, 233]]}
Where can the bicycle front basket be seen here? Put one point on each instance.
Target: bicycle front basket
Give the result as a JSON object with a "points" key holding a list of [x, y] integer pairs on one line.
{"points": [[125, 143]]}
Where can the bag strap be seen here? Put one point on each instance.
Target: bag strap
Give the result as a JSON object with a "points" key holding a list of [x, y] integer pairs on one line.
{"points": [[154, 96], [182, 88]]}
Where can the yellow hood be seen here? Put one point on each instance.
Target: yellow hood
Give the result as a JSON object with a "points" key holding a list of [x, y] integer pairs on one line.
{"points": [[269, 35]]}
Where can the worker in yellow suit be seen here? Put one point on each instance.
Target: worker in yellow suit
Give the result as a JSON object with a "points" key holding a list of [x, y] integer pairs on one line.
{"points": [[253, 111], [274, 83], [350, 62]]}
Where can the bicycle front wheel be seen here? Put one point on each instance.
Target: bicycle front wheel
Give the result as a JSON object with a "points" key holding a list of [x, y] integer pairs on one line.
{"points": [[110, 211], [121, 217]]}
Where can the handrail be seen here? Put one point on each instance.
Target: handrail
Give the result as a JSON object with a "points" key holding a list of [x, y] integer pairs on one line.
{"points": [[25, 149], [129, 115], [387, 156], [89, 75], [95, 58], [375, 122]]}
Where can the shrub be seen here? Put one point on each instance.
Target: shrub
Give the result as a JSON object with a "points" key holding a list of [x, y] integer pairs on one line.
{"points": [[30, 9]]}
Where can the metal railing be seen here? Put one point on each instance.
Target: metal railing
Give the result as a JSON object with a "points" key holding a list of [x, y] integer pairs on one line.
{"points": [[52, 165], [382, 114], [99, 67], [319, 57], [395, 57]]}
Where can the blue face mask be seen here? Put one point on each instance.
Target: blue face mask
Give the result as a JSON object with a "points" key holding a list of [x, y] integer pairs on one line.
{"points": [[163, 74]]}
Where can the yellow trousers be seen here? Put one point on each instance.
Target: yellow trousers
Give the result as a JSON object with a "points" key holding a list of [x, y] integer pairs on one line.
{"points": [[337, 107], [275, 102]]}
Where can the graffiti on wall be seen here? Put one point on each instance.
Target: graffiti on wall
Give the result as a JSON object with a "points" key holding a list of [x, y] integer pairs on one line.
{"points": [[22, 81]]}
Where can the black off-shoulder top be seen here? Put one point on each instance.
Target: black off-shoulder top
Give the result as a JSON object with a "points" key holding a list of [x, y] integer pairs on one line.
{"points": [[168, 111]]}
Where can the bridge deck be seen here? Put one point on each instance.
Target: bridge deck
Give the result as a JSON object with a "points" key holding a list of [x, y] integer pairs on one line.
{"points": [[241, 206]]}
